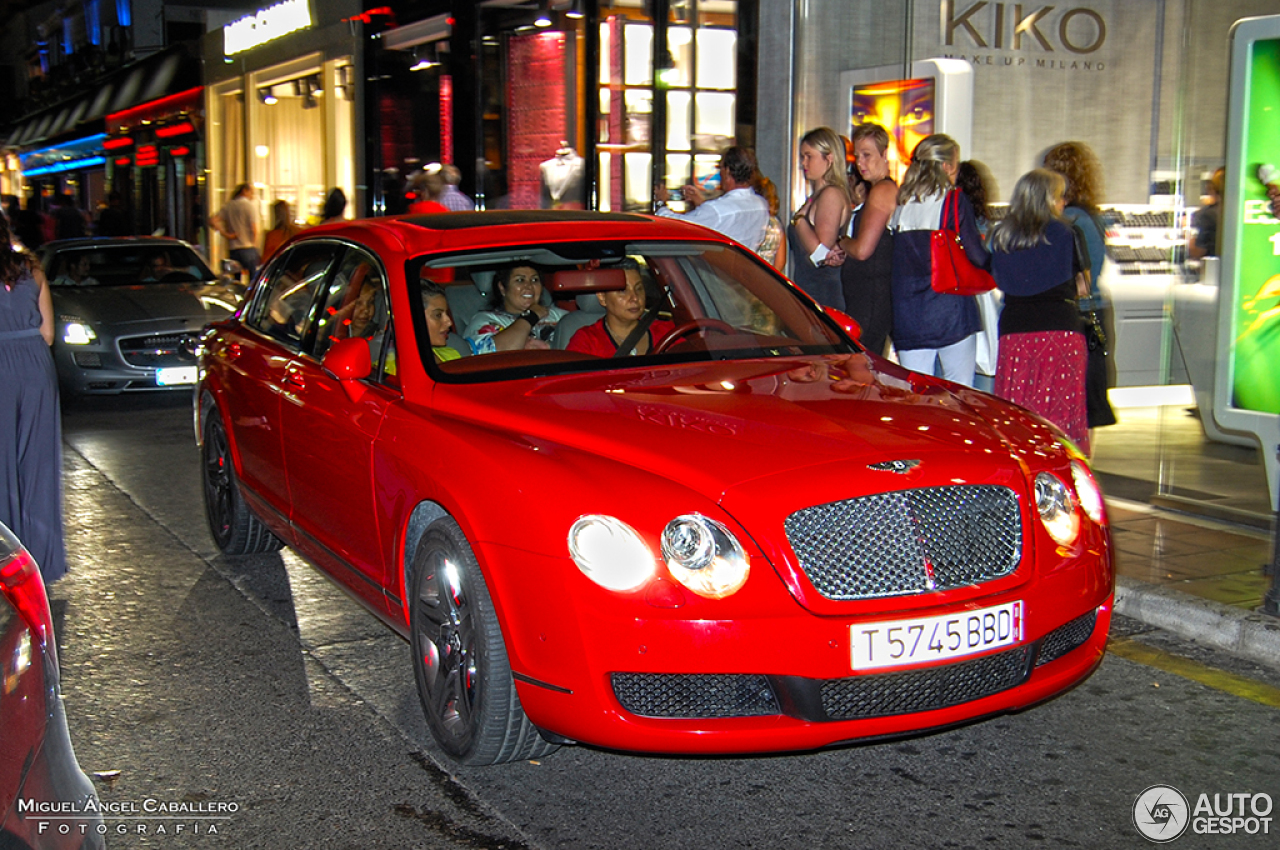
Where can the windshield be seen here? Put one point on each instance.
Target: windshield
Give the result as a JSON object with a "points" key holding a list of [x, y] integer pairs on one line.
{"points": [[126, 265], [575, 306]]}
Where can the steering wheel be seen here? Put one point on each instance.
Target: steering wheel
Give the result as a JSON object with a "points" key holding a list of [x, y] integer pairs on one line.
{"points": [[691, 327]]}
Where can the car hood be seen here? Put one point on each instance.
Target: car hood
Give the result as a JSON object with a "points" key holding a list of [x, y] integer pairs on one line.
{"points": [[195, 303], [716, 427]]}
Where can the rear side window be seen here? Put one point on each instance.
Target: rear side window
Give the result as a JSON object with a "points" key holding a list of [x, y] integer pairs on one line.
{"points": [[283, 303]]}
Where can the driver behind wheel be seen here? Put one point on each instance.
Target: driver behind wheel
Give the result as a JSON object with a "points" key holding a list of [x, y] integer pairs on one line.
{"points": [[157, 266], [625, 325]]}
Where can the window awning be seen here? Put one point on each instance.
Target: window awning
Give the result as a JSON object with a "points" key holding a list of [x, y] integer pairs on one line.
{"points": [[161, 74]]}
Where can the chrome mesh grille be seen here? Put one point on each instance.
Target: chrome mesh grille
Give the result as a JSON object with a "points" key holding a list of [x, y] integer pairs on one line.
{"points": [[885, 694], [908, 541], [695, 695], [1063, 639]]}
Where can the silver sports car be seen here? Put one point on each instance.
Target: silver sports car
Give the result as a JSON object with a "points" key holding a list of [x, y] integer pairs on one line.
{"points": [[129, 311]]}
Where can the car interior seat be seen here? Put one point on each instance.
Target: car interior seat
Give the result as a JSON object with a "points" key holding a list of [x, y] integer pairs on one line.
{"points": [[589, 311]]}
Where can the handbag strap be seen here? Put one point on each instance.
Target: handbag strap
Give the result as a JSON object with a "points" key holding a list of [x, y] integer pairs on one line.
{"points": [[950, 205]]}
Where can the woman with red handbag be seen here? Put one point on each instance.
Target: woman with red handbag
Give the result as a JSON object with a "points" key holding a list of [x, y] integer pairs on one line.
{"points": [[1039, 268], [933, 331]]}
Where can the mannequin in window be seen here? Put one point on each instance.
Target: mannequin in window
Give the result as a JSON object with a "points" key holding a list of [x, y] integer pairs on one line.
{"points": [[561, 178]]}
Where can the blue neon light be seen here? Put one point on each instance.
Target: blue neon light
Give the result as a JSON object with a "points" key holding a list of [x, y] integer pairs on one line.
{"points": [[87, 145], [65, 166], [124, 13]]}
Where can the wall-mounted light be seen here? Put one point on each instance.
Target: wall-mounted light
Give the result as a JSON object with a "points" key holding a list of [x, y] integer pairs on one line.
{"points": [[266, 96], [317, 88], [424, 57]]}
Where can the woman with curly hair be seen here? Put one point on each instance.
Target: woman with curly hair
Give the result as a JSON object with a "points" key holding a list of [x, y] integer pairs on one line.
{"points": [[30, 419], [1082, 171], [933, 329]]}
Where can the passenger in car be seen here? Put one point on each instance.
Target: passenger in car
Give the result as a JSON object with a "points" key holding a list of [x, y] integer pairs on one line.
{"points": [[517, 319], [438, 321], [625, 325], [75, 272]]}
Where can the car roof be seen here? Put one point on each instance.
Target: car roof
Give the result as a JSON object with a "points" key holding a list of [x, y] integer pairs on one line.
{"points": [[109, 241], [496, 228]]}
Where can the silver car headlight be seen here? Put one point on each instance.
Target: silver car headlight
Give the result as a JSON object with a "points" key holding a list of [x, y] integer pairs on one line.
{"points": [[1089, 493], [704, 556], [610, 553], [76, 331], [1056, 507]]}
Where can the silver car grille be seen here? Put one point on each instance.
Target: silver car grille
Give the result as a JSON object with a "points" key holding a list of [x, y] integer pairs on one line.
{"points": [[156, 350], [909, 541]]}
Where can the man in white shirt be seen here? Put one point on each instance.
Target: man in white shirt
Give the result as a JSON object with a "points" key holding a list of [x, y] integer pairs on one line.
{"points": [[738, 212]]}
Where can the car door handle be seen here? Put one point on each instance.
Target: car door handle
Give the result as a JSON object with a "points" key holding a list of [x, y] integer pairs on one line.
{"points": [[296, 379]]}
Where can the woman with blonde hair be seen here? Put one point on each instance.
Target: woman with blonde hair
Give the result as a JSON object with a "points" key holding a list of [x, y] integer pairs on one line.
{"points": [[865, 256], [821, 219], [933, 329], [1037, 266], [1082, 171], [282, 228]]}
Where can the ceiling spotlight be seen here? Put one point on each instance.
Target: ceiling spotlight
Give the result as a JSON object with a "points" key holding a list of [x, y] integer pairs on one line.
{"points": [[544, 18], [575, 10], [317, 88], [308, 101], [266, 96]]}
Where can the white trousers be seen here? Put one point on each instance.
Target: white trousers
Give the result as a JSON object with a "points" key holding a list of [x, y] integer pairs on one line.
{"points": [[958, 361]]}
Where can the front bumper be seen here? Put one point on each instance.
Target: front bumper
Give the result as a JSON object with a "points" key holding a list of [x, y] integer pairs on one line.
{"points": [[768, 675]]}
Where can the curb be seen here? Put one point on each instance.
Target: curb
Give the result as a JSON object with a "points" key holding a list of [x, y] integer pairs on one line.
{"points": [[1243, 633]]}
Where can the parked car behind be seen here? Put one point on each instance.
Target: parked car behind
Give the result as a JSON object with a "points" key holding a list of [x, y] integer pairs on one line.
{"points": [[46, 801], [753, 536], [128, 311]]}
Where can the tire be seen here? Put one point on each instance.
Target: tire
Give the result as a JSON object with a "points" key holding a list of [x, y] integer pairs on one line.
{"points": [[460, 660], [235, 528]]}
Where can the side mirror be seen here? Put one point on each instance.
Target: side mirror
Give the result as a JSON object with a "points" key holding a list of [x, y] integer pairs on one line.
{"points": [[349, 362], [844, 320]]}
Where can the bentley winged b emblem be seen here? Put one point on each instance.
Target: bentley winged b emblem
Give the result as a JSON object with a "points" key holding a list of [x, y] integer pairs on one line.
{"points": [[902, 467]]}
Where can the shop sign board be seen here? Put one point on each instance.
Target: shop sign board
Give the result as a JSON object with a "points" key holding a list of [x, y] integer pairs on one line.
{"points": [[1247, 396], [265, 25]]}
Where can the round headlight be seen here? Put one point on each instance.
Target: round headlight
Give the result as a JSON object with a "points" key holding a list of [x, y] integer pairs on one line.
{"points": [[1056, 508], [1088, 492], [704, 556], [610, 552]]}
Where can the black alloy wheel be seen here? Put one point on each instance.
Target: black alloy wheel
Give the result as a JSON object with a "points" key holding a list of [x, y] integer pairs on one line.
{"points": [[235, 528], [459, 658]]}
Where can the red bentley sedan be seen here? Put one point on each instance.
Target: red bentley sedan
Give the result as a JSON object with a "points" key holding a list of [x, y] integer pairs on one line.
{"points": [[619, 483]]}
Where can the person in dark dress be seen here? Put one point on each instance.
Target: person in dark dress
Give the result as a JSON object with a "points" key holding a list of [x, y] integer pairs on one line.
{"points": [[821, 219], [30, 418], [865, 256]]}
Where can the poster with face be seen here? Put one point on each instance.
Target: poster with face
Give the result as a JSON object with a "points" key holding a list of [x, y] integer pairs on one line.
{"points": [[905, 108], [1256, 344]]}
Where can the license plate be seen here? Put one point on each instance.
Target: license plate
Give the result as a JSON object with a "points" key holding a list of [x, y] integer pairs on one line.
{"points": [[901, 642], [175, 375]]}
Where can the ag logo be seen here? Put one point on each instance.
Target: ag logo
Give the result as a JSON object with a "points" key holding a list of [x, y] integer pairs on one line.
{"points": [[1161, 813]]}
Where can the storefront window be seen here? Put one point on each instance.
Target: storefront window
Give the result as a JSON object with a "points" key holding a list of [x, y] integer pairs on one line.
{"points": [[694, 74], [1146, 87]]}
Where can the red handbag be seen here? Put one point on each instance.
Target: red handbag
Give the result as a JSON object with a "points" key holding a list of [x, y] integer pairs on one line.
{"points": [[952, 272]]}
